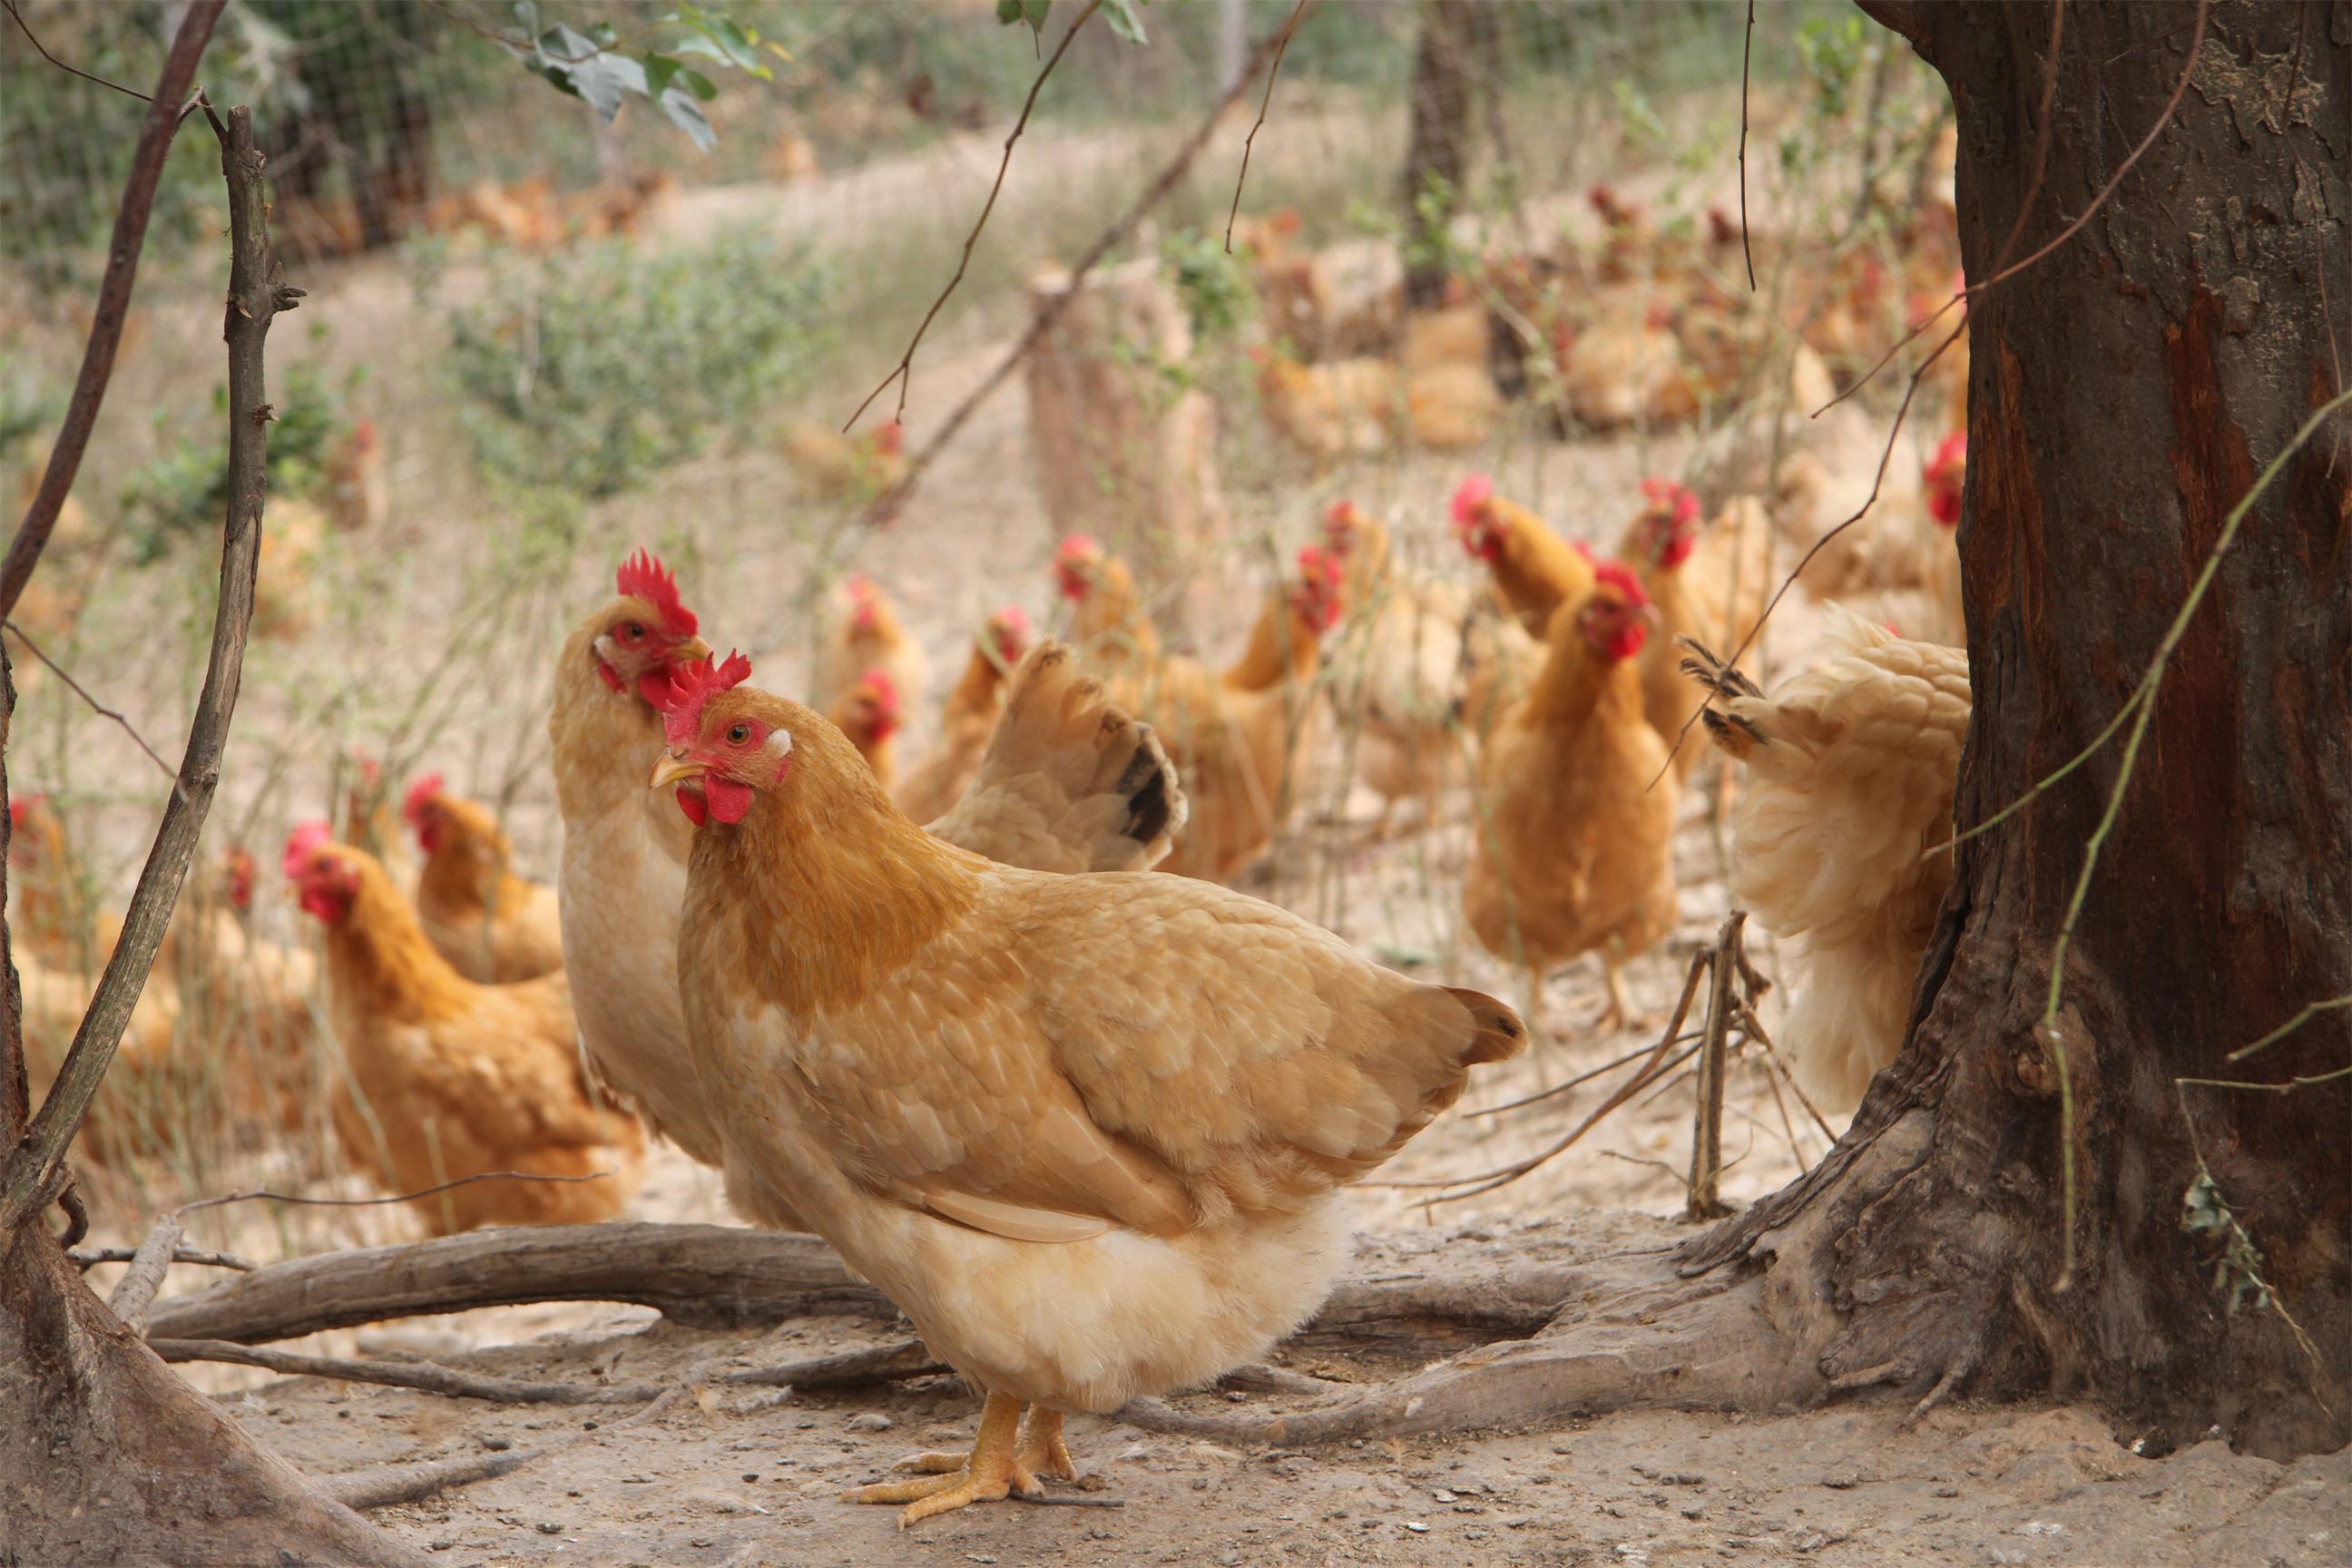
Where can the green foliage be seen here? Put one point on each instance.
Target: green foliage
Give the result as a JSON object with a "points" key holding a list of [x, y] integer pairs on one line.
{"points": [[603, 70], [27, 405], [1215, 287], [187, 489], [1029, 13], [1125, 18], [593, 370], [2238, 1269]]}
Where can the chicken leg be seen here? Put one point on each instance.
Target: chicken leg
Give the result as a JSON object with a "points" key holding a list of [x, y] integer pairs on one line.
{"points": [[994, 1468], [1041, 1450]]}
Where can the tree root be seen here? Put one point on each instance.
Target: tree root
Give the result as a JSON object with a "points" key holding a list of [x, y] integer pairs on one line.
{"points": [[720, 1276]]}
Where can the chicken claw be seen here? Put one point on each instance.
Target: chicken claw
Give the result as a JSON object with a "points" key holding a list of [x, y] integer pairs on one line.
{"points": [[1042, 1452], [994, 1470]]}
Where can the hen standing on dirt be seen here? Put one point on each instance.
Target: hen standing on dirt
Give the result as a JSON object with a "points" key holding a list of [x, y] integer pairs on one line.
{"points": [[1086, 1130]]}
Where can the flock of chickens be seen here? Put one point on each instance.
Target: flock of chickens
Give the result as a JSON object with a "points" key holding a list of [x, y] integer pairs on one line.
{"points": [[1033, 1067]]}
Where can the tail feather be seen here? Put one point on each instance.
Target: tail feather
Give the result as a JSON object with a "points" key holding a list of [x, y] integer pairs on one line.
{"points": [[1071, 782], [1500, 1034], [1730, 731]]}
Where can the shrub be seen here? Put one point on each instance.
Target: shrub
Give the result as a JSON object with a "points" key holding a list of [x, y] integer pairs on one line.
{"points": [[596, 369]]}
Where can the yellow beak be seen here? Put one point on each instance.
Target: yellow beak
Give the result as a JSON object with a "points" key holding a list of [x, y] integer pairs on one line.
{"points": [[669, 770], [693, 648]]}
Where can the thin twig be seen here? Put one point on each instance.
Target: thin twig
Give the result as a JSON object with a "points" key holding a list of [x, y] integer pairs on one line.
{"points": [[1972, 290], [380, 1486], [904, 373], [887, 504], [256, 293], [71, 71], [426, 1377], [93, 1256], [2287, 1088], [2313, 1011], [101, 709], [1636, 1054], [1746, 47], [179, 74], [256, 1193], [1273, 72], [2143, 702]]}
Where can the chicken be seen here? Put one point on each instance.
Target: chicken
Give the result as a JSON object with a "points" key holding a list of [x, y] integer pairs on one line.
{"points": [[132, 1112], [1236, 735], [369, 823], [868, 714], [490, 924], [1709, 584], [1331, 409], [1108, 621], [1899, 565], [353, 476], [969, 718], [861, 632], [1534, 570], [1087, 1131], [853, 469], [1416, 649], [57, 918], [448, 1079], [290, 547], [1576, 852], [248, 1008], [1067, 783], [1842, 838], [1625, 366]]}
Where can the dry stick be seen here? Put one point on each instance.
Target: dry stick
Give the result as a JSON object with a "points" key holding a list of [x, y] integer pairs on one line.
{"points": [[2180, 90], [426, 1377], [1705, 1200], [2143, 700], [164, 113], [97, 1254], [135, 1291], [380, 1486], [1584, 1078], [1280, 44], [887, 503], [1754, 1030], [256, 1193], [101, 709], [256, 293], [904, 374], [1746, 47]]}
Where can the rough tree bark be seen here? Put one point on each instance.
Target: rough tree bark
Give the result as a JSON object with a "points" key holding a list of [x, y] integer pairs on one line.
{"points": [[2125, 392], [113, 1457], [1437, 151]]}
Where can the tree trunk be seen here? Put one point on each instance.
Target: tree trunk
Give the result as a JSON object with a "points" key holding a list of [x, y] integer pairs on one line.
{"points": [[1437, 153], [2125, 392]]}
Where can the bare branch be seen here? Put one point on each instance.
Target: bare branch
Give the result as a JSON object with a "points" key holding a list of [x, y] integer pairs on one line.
{"points": [[426, 1377], [1281, 43], [256, 1194], [887, 504], [135, 1291], [71, 71], [163, 114], [904, 373], [1746, 49], [380, 1486], [91, 1257], [256, 293], [101, 709]]}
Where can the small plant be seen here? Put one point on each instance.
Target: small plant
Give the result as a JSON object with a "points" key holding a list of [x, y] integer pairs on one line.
{"points": [[187, 487], [595, 370], [1215, 287]]}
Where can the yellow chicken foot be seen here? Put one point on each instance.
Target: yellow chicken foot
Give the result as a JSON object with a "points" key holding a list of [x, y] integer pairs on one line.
{"points": [[993, 1469], [1042, 1452], [1619, 1011]]}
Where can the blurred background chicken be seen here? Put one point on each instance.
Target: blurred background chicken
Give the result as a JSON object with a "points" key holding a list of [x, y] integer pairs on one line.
{"points": [[1710, 583], [968, 718], [1841, 841], [449, 1078], [1575, 829], [1534, 570], [853, 469], [490, 924], [860, 630], [868, 714]]}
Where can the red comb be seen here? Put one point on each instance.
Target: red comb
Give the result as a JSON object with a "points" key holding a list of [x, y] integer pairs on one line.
{"points": [[19, 808], [691, 685], [1474, 492], [643, 576], [883, 689], [1620, 576], [420, 794], [1667, 493], [1076, 545], [1950, 453], [305, 841]]}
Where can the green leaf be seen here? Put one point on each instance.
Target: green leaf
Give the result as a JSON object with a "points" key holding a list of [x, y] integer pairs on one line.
{"points": [[1029, 12], [1125, 18], [687, 115], [659, 68], [699, 84]]}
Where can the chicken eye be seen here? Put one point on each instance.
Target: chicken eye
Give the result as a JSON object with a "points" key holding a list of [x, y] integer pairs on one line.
{"points": [[739, 733], [634, 632]]}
